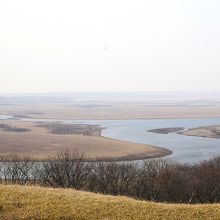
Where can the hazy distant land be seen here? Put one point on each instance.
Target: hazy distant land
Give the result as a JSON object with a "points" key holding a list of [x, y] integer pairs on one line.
{"points": [[112, 105], [114, 111]]}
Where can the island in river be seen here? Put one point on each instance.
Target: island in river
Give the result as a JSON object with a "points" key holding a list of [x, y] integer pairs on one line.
{"points": [[204, 131], [166, 130]]}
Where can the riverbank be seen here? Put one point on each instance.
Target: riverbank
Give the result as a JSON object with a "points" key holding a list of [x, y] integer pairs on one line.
{"points": [[39, 143]]}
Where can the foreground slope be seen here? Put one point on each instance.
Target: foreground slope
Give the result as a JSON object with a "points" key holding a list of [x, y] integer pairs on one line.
{"points": [[32, 202]]}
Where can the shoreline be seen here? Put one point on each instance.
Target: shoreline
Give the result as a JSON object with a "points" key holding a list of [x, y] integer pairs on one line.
{"points": [[159, 153], [162, 152], [40, 147]]}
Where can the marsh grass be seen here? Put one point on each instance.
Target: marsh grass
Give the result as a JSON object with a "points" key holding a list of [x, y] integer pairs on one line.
{"points": [[33, 202], [39, 143]]}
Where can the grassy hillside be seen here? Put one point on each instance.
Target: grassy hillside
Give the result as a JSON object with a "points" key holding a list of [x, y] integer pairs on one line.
{"points": [[31, 202]]}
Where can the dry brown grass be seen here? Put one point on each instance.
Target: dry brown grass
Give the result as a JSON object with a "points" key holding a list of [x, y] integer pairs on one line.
{"points": [[32, 202], [39, 143], [205, 131]]}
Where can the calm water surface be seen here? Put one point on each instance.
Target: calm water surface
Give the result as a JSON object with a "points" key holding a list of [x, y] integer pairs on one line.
{"points": [[2, 117]]}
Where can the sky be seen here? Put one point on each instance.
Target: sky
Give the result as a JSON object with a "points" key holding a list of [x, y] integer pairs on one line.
{"points": [[104, 46]]}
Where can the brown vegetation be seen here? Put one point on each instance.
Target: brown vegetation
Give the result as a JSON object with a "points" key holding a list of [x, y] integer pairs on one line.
{"points": [[70, 129], [205, 131], [39, 143], [33, 202], [6, 127], [166, 130], [115, 110]]}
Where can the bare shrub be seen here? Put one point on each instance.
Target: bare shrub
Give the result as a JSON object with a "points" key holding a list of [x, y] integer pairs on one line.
{"points": [[162, 180], [6, 127], [65, 170], [114, 178], [19, 170], [207, 181]]}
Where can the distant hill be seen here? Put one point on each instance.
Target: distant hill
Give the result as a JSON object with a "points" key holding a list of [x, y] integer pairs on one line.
{"points": [[32, 202]]}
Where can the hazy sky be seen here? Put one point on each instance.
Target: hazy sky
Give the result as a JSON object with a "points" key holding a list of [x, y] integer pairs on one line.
{"points": [[114, 45]]}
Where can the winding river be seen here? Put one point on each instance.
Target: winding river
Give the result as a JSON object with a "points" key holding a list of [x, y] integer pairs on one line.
{"points": [[186, 149]]}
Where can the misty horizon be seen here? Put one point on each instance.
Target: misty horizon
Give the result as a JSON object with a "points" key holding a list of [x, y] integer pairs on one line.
{"points": [[124, 46], [99, 98]]}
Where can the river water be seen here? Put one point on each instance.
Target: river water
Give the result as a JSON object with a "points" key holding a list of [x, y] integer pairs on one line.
{"points": [[2, 117]]}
